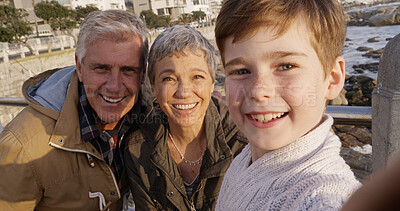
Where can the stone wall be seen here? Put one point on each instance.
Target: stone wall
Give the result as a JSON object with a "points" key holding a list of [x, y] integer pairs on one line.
{"points": [[15, 72]]}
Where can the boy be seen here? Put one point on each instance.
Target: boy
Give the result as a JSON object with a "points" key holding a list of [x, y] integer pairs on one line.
{"points": [[282, 62]]}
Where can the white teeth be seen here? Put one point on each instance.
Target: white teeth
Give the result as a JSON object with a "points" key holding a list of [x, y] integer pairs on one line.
{"points": [[266, 117], [112, 100], [184, 107]]}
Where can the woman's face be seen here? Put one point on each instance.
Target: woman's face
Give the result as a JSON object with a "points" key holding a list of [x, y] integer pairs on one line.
{"points": [[183, 87]]}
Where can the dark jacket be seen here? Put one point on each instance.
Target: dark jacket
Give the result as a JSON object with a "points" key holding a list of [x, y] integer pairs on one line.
{"points": [[155, 179]]}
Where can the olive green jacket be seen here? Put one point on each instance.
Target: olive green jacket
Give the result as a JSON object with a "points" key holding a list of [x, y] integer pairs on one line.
{"points": [[155, 179]]}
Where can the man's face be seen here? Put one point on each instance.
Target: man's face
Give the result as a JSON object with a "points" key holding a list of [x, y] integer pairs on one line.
{"points": [[111, 74], [275, 87]]}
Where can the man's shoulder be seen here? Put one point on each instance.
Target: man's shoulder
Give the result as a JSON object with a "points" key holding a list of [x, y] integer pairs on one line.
{"points": [[29, 125]]}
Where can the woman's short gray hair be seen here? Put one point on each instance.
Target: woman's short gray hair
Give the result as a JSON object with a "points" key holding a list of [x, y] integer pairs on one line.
{"points": [[177, 39], [114, 25]]}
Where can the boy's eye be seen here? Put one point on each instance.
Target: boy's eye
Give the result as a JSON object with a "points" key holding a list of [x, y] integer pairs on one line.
{"points": [[241, 72], [286, 67]]}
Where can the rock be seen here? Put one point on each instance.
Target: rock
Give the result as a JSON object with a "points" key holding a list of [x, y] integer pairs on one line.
{"points": [[348, 39], [359, 89], [344, 128], [349, 140], [384, 20], [359, 70], [388, 39], [360, 164], [364, 49], [370, 40], [362, 134], [373, 67], [340, 100]]}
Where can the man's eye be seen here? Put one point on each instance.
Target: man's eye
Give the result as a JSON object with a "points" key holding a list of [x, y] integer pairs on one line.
{"points": [[101, 68], [130, 71], [198, 77], [286, 67]]}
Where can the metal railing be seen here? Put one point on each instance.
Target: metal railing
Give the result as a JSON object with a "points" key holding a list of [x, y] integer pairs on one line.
{"points": [[346, 115], [13, 101]]}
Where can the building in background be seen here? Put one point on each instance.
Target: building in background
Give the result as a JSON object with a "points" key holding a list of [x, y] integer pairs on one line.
{"points": [[4, 2], [101, 4], [175, 8]]}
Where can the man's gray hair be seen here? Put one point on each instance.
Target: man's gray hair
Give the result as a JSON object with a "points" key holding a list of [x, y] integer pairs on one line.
{"points": [[176, 40], [113, 25]]}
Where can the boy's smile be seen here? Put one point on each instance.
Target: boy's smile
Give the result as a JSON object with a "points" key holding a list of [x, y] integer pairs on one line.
{"points": [[275, 86]]}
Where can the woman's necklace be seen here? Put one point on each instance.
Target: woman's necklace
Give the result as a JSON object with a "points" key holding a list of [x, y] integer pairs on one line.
{"points": [[192, 163]]}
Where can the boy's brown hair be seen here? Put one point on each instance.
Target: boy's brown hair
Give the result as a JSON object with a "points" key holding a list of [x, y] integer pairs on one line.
{"points": [[324, 19]]}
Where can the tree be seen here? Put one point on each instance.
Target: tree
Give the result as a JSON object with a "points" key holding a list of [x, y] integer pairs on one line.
{"points": [[152, 20], [168, 20], [184, 19], [82, 12], [13, 28], [60, 18], [198, 15]]}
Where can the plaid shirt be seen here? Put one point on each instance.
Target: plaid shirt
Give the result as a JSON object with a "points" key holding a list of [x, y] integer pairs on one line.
{"points": [[107, 143]]}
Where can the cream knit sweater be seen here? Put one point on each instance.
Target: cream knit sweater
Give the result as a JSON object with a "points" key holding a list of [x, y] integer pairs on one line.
{"points": [[308, 174]]}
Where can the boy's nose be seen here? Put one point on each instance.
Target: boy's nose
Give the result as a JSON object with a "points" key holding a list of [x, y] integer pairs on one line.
{"points": [[261, 88]]}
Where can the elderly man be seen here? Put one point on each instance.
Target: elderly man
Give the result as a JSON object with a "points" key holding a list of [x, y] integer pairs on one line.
{"points": [[64, 151]]}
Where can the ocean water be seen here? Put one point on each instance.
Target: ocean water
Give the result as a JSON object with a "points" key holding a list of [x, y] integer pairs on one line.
{"points": [[358, 36]]}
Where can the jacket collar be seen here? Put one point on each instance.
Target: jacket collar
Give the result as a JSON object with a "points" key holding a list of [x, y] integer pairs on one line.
{"points": [[66, 133], [217, 151]]}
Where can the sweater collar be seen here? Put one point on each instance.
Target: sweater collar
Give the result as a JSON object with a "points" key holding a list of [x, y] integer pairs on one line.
{"points": [[305, 146]]}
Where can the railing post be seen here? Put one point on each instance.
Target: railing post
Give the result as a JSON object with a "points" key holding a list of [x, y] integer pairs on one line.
{"points": [[5, 56], [71, 42], [22, 51], [61, 42], [50, 44], [386, 106], [36, 46]]}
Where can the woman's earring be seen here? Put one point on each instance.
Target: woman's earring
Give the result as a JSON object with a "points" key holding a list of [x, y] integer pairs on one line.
{"points": [[155, 103]]}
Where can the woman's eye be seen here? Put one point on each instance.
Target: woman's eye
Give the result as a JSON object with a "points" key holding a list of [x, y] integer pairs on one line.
{"points": [[167, 79], [286, 67], [198, 77]]}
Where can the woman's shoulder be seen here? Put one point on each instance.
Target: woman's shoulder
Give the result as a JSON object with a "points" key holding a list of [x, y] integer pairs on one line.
{"points": [[150, 131]]}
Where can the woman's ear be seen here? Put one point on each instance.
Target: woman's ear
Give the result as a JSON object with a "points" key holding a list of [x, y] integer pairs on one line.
{"points": [[336, 78]]}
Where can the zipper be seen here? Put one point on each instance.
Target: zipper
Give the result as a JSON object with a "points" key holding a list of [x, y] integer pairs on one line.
{"points": [[173, 182], [86, 152]]}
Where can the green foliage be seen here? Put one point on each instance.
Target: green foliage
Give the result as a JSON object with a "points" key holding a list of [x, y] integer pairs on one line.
{"points": [[59, 17], [82, 12], [152, 20], [184, 19], [198, 15], [13, 27], [168, 20]]}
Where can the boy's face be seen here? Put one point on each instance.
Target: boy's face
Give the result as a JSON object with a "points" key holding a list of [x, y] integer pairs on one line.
{"points": [[275, 88]]}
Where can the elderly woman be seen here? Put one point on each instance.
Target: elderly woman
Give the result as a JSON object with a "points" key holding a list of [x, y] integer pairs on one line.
{"points": [[178, 158]]}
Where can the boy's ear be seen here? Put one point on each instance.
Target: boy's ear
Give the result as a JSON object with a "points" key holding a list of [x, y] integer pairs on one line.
{"points": [[336, 78], [78, 68]]}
